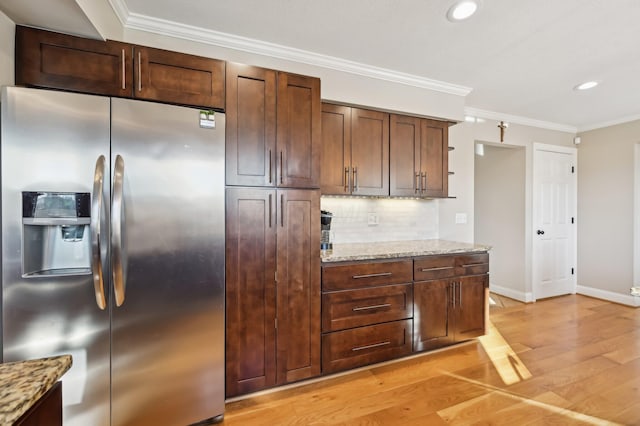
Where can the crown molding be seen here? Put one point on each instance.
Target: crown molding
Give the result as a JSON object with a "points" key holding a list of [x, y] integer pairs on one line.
{"points": [[516, 119], [121, 10], [615, 122], [145, 23]]}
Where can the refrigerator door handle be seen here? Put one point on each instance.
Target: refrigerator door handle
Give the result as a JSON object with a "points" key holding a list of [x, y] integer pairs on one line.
{"points": [[118, 257], [97, 206]]}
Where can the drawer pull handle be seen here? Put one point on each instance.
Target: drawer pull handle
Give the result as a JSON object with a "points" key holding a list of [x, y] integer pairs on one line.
{"points": [[442, 268], [364, 308], [473, 264], [375, 345], [381, 274]]}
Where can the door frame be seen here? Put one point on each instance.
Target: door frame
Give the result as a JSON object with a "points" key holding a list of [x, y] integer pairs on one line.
{"points": [[537, 147]]}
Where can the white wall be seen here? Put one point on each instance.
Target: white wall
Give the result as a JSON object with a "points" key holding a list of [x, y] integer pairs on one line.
{"points": [[500, 215], [7, 37], [606, 208]]}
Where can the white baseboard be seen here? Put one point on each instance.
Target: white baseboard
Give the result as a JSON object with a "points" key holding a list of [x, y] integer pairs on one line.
{"points": [[511, 293], [623, 299]]}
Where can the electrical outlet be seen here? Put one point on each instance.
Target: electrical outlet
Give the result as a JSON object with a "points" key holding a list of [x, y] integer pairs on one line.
{"points": [[372, 219], [461, 218]]}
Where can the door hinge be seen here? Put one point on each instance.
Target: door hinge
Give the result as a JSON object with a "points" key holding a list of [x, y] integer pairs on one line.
{"points": [[573, 220], [275, 276], [573, 271], [573, 169], [276, 323]]}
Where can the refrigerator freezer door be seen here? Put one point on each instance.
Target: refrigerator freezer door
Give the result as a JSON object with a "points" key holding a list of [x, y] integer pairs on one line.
{"points": [[168, 333], [50, 142]]}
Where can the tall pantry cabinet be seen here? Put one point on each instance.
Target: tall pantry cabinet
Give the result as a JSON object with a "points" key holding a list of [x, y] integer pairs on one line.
{"points": [[273, 228]]}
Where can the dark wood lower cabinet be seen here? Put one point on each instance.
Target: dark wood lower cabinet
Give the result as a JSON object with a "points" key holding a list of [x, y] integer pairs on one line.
{"points": [[47, 411], [298, 284], [470, 312], [378, 310], [360, 346], [272, 318], [449, 311], [250, 290], [355, 308]]}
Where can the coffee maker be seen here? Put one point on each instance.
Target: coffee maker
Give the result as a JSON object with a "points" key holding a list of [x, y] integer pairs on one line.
{"points": [[325, 233]]}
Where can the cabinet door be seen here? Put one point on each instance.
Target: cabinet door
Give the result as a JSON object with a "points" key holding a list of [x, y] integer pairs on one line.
{"points": [[370, 152], [432, 326], [298, 131], [250, 290], [298, 281], [404, 168], [59, 61], [336, 150], [470, 309], [434, 155], [251, 126], [178, 78]]}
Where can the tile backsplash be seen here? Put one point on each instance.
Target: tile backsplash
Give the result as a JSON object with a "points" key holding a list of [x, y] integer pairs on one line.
{"points": [[398, 219]]}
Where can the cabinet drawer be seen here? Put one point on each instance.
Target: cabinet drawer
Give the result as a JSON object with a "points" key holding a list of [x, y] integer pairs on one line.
{"points": [[358, 275], [434, 267], [355, 308], [346, 349], [472, 264]]}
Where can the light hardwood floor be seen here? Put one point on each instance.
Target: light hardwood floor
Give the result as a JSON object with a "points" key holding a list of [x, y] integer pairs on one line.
{"points": [[570, 360]]}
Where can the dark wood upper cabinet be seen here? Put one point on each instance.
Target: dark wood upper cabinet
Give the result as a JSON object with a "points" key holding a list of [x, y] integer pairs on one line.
{"points": [[369, 152], [405, 146], [60, 61], [336, 149], [419, 157], [298, 131], [434, 158], [162, 75], [273, 128], [355, 152], [251, 126]]}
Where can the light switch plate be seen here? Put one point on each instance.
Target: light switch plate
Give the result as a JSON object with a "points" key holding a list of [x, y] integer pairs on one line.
{"points": [[461, 218], [372, 219]]}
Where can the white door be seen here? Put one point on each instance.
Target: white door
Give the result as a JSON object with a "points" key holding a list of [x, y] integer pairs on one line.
{"points": [[554, 220]]}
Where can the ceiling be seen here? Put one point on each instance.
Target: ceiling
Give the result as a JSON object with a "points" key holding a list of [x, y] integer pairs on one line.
{"points": [[518, 58]]}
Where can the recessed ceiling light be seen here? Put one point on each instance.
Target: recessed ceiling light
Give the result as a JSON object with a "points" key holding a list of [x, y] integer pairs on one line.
{"points": [[586, 85], [462, 10]]}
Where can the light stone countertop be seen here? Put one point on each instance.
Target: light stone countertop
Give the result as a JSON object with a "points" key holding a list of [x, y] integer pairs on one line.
{"points": [[395, 249], [23, 383]]}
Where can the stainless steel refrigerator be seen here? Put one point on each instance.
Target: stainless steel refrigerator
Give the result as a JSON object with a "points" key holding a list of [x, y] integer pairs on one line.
{"points": [[113, 252]]}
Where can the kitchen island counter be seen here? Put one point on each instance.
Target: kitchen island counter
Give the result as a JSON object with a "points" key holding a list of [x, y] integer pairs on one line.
{"points": [[395, 249], [23, 383]]}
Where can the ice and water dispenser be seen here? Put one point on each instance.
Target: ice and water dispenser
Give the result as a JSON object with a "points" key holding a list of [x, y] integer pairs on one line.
{"points": [[55, 233]]}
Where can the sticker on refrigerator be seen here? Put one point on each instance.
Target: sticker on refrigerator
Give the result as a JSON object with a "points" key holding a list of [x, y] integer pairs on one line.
{"points": [[207, 119]]}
